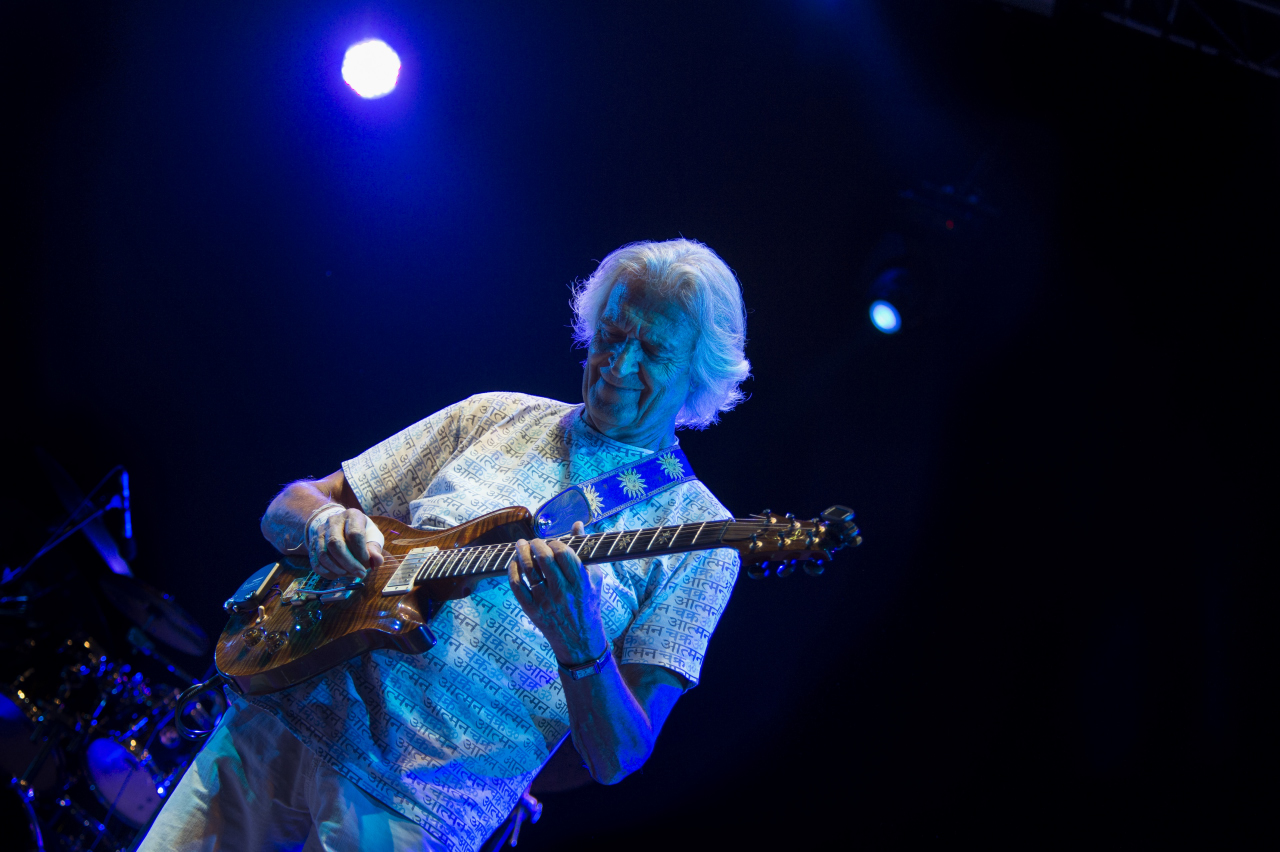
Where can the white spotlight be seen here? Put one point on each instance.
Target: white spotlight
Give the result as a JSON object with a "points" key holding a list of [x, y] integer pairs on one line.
{"points": [[371, 67], [884, 316]]}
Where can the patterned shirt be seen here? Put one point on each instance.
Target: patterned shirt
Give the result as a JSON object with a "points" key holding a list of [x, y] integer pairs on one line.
{"points": [[452, 737]]}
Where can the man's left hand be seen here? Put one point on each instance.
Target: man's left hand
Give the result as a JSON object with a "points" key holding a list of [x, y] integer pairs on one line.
{"points": [[562, 598]]}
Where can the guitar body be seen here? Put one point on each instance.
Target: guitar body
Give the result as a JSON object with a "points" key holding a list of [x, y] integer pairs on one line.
{"points": [[277, 645]]}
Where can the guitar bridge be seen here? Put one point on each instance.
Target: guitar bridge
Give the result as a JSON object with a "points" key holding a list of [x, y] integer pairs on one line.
{"points": [[313, 587]]}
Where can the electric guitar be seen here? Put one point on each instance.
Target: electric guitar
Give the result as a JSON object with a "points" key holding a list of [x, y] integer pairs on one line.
{"points": [[288, 624]]}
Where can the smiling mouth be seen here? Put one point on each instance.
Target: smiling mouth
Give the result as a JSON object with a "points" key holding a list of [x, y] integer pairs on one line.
{"points": [[615, 385]]}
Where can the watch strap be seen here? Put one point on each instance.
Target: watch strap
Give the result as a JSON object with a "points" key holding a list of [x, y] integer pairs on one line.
{"points": [[590, 668]]}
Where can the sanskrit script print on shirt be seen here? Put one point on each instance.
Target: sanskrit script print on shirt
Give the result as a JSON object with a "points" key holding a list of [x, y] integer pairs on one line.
{"points": [[451, 738]]}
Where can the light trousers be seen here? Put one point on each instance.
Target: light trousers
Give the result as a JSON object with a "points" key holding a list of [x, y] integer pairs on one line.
{"points": [[254, 786]]}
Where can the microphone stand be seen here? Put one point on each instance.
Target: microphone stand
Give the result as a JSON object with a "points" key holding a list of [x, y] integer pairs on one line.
{"points": [[61, 533]]}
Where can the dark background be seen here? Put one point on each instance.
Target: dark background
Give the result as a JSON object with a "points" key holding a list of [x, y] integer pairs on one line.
{"points": [[225, 272]]}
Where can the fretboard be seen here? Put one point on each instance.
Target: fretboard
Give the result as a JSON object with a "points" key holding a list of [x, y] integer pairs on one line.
{"points": [[492, 559]]}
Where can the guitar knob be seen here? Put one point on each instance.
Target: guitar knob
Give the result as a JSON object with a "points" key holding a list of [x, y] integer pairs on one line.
{"points": [[788, 569], [813, 567], [758, 570]]}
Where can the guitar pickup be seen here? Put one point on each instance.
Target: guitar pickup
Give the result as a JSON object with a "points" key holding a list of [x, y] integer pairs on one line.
{"points": [[313, 587]]}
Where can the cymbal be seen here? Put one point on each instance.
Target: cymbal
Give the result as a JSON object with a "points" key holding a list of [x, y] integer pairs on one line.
{"points": [[156, 613]]}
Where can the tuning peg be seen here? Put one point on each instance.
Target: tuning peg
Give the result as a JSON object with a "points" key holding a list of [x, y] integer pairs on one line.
{"points": [[787, 569], [813, 567], [758, 570]]}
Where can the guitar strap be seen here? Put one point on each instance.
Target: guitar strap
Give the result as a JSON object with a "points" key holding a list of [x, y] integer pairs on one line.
{"points": [[611, 492]]}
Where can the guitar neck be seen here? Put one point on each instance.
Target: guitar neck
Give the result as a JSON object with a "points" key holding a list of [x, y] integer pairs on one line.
{"points": [[491, 560]]}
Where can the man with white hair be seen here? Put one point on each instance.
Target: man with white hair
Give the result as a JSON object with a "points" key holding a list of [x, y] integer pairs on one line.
{"points": [[397, 751]]}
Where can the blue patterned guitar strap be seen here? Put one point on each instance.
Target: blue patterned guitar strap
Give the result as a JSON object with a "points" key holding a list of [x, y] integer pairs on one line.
{"points": [[611, 492]]}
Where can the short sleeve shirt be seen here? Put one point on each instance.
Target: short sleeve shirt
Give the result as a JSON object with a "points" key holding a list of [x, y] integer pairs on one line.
{"points": [[452, 737]]}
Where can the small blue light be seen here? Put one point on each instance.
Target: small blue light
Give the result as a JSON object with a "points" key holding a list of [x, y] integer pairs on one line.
{"points": [[884, 316]]}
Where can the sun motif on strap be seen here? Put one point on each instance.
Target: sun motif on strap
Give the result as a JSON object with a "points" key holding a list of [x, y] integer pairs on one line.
{"points": [[671, 466], [594, 502], [632, 483]]}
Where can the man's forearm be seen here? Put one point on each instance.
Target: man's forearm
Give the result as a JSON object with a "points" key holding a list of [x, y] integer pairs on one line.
{"points": [[611, 730]]}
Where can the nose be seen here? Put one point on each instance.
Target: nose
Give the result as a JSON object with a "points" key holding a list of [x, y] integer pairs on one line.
{"points": [[625, 360]]}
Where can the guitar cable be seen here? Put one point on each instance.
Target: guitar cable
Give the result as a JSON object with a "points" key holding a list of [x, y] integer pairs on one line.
{"points": [[189, 697]]}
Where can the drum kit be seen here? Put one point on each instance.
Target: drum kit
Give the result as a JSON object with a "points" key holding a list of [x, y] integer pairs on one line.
{"points": [[90, 745]]}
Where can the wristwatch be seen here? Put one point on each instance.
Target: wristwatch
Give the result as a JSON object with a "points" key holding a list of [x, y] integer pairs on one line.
{"points": [[587, 669]]}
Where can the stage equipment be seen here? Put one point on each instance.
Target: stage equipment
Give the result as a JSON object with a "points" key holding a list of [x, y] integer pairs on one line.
{"points": [[1244, 32], [156, 614], [85, 516], [371, 68], [884, 316], [89, 741], [908, 275], [288, 624]]}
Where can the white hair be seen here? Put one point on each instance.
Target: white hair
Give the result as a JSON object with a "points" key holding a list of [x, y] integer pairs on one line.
{"points": [[693, 276]]}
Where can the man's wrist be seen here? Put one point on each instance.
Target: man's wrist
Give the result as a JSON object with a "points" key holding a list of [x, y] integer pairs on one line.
{"points": [[319, 514], [589, 668]]}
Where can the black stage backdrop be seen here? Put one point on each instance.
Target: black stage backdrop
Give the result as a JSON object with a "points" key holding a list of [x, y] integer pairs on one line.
{"points": [[225, 272]]}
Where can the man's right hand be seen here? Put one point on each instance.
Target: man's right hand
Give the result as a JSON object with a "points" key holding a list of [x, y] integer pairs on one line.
{"points": [[344, 544]]}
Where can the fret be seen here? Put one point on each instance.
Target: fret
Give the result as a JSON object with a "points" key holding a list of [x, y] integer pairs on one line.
{"points": [[495, 554], [676, 538], [437, 564], [616, 538], [599, 539], [698, 533], [449, 569], [652, 539], [632, 543], [474, 559]]}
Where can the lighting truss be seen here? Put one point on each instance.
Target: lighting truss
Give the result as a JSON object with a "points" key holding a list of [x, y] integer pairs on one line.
{"points": [[1246, 32]]}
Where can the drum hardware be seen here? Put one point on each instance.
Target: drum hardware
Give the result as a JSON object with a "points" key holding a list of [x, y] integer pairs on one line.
{"points": [[90, 738], [17, 814], [85, 516], [156, 613], [104, 747]]}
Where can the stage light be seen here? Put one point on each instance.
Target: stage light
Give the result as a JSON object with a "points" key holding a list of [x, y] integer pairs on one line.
{"points": [[884, 316], [371, 67]]}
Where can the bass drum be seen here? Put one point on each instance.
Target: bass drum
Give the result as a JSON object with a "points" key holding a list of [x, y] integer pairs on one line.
{"points": [[132, 773], [22, 830]]}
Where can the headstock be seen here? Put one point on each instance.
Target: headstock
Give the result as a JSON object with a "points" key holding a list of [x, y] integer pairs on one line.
{"points": [[778, 544]]}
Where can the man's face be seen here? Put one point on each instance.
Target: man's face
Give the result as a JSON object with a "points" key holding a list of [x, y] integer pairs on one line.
{"points": [[637, 372]]}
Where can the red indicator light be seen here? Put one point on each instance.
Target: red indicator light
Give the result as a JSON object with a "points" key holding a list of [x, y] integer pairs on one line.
{"points": [[950, 224]]}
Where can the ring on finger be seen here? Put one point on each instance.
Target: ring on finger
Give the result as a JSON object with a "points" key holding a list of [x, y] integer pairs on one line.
{"points": [[534, 576]]}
